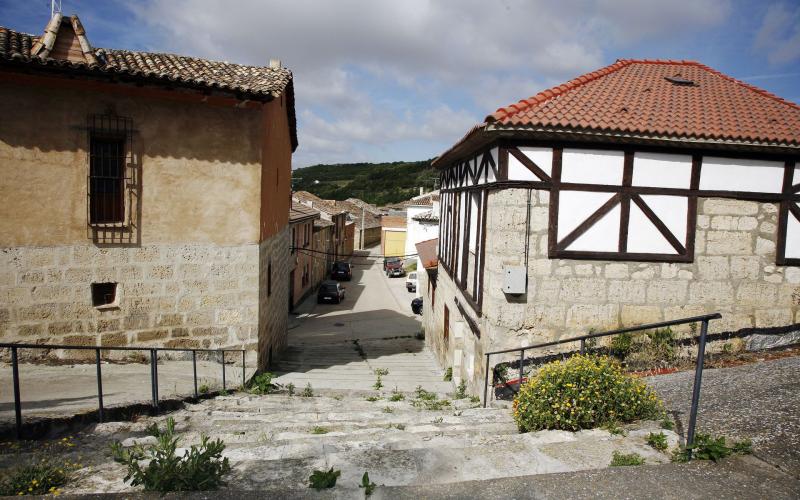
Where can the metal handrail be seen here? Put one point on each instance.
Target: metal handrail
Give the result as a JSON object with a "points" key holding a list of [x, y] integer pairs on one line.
{"points": [[153, 370], [698, 372]]}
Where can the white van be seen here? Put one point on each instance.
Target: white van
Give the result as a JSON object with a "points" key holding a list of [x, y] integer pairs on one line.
{"points": [[411, 281]]}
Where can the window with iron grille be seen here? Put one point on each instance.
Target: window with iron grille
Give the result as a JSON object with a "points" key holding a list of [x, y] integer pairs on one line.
{"points": [[109, 150]]}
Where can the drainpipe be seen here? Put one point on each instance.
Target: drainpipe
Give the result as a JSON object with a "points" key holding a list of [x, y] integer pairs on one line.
{"points": [[527, 236]]}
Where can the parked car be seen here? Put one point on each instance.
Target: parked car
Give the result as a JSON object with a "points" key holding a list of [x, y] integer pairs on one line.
{"points": [[391, 261], [394, 268], [330, 292], [411, 282], [341, 271], [416, 305]]}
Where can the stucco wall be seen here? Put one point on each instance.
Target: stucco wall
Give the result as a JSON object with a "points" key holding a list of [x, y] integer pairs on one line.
{"points": [[733, 272], [199, 166]]}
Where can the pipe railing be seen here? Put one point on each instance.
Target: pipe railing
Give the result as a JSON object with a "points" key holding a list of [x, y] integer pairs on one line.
{"points": [[98, 358], [698, 371]]}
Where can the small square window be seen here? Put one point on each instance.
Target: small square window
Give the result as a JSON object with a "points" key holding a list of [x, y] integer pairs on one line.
{"points": [[104, 294]]}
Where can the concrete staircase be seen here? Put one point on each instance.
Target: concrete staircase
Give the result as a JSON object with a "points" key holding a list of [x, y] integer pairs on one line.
{"points": [[271, 442]]}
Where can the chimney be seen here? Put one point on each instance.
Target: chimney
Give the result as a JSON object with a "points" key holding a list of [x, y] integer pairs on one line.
{"points": [[274, 63], [421, 190]]}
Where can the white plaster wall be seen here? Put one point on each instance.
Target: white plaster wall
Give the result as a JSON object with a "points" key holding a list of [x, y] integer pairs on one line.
{"points": [[575, 207], [792, 237], [603, 236], [661, 170], [592, 166], [725, 174]]}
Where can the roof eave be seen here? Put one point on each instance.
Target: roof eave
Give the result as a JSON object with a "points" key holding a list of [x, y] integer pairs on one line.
{"points": [[492, 132]]}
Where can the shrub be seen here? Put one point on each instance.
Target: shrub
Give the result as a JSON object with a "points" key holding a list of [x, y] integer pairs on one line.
{"points": [[368, 485], [583, 392], [621, 459], [319, 430], [204, 389], [396, 396], [448, 374], [200, 468], [655, 348], [308, 392], [262, 383], [40, 477], [321, 479], [657, 441], [290, 388], [708, 447], [461, 391]]}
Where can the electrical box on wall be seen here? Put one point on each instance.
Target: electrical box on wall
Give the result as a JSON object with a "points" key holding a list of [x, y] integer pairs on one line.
{"points": [[515, 280]]}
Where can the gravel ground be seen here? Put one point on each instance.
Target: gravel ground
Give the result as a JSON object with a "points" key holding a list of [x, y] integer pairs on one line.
{"points": [[759, 401]]}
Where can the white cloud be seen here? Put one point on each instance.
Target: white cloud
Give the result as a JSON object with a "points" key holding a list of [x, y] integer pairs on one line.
{"points": [[779, 34], [369, 74]]}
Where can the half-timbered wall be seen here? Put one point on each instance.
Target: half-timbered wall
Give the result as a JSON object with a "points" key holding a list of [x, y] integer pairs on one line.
{"points": [[613, 238]]}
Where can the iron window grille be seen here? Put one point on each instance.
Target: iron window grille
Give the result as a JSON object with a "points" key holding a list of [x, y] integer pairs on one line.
{"points": [[110, 146]]}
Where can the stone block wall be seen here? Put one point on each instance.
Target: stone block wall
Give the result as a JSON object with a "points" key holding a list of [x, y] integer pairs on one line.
{"points": [[733, 272], [202, 296], [273, 297]]}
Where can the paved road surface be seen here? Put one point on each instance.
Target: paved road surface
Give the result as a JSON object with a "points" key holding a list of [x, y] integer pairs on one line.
{"points": [[376, 313]]}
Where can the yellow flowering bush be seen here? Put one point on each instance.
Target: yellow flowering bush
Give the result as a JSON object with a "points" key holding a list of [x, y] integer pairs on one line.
{"points": [[583, 392]]}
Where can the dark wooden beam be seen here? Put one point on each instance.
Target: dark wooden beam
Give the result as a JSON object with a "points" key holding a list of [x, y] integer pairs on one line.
{"points": [[662, 228], [589, 222]]}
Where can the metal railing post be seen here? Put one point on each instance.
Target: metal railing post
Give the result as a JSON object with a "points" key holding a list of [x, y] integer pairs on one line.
{"points": [[243, 376], [521, 359], [17, 404], [222, 359], [99, 386], [486, 381], [154, 377], [194, 370], [583, 346], [698, 378]]}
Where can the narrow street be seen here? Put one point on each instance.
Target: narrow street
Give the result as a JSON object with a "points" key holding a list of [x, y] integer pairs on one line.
{"points": [[338, 346]]}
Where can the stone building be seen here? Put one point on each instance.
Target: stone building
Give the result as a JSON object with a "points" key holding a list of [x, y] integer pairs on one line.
{"points": [[322, 257], [301, 223], [145, 196], [422, 224], [329, 212], [644, 191]]}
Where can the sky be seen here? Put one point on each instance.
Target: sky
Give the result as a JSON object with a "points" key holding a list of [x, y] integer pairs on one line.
{"points": [[402, 80]]}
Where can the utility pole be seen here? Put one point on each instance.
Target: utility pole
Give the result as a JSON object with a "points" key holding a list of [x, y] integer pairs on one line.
{"points": [[55, 7], [362, 228]]}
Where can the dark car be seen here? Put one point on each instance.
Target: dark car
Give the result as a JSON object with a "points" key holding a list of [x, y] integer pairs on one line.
{"points": [[330, 292], [341, 271], [394, 267], [416, 305]]}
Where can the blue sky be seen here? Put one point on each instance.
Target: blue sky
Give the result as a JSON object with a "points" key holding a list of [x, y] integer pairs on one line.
{"points": [[388, 80]]}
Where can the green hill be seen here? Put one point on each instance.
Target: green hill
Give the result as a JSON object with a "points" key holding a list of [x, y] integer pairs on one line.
{"points": [[377, 183]]}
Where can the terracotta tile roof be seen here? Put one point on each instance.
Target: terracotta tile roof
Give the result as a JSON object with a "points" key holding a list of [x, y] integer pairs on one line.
{"points": [[638, 97], [428, 253], [429, 216], [655, 99], [370, 220], [299, 212], [303, 196], [247, 81], [363, 204]]}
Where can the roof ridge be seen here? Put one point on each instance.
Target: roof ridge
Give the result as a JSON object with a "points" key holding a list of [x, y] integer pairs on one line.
{"points": [[556, 91]]}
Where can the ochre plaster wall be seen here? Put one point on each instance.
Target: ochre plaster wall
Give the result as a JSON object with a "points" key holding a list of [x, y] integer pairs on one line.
{"points": [[199, 165]]}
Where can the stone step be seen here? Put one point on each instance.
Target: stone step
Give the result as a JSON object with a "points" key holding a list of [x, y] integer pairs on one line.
{"points": [[442, 459]]}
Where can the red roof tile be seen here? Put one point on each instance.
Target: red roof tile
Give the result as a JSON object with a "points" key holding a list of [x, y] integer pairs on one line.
{"points": [[652, 99], [636, 96]]}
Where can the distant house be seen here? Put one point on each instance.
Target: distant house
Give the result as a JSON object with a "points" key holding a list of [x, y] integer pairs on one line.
{"points": [[301, 222], [330, 212], [422, 223], [145, 196], [366, 221], [393, 234], [323, 256], [644, 191]]}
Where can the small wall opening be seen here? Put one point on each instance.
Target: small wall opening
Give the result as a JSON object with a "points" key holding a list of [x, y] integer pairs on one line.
{"points": [[104, 294]]}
